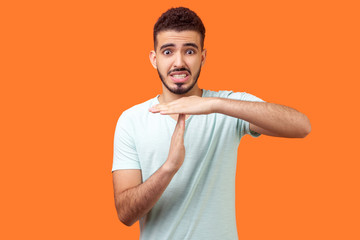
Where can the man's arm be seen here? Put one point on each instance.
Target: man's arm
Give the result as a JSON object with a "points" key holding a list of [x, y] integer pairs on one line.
{"points": [[267, 118], [133, 199], [264, 118]]}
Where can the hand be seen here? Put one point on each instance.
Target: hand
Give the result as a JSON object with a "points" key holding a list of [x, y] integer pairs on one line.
{"points": [[192, 105], [177, 149]]}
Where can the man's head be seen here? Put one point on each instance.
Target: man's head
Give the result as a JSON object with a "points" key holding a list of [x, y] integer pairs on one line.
{"points": [[179, 19], [178, 55]]}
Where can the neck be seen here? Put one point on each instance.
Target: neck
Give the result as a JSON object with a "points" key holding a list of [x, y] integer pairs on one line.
{"points": [[167, 96]]}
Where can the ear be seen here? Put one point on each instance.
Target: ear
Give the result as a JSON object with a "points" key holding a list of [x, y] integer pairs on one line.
{"points": [[152, 57], [203, 56]]}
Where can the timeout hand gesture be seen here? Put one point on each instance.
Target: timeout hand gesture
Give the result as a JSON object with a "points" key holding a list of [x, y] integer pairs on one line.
{"points": [[192, 105]]}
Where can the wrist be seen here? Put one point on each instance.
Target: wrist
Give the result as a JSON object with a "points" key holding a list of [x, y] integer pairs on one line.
{"points": [[215, 104], [169, 168]]}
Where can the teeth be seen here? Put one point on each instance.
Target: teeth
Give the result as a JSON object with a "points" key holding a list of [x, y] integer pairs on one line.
{"points": [[179, 76]]}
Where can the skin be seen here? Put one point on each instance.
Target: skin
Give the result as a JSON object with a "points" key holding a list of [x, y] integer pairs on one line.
{"points": [[182, 50]]}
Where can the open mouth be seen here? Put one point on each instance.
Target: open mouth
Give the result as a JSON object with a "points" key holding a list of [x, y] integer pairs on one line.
{"points": [[179, 77]]}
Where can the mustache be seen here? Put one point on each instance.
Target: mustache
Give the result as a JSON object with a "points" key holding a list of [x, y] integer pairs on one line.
{"points": [[179, 70]]}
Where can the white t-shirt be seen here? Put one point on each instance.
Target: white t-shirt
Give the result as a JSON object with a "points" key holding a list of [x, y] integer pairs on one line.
{"points": [[199, 202]]}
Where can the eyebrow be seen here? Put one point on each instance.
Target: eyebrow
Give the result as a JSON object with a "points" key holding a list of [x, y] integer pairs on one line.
{"points": [[191, 45], [173, 45], [167, 45]]}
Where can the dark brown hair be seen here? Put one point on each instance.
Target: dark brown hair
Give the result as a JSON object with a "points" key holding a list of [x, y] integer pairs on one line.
{"points": [[179, 19]]}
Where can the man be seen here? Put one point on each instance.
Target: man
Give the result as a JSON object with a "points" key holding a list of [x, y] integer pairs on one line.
{"points": [[175, 155]]}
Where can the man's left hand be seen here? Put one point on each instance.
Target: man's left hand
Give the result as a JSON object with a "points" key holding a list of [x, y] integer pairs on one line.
{"points": [[192, 105]]}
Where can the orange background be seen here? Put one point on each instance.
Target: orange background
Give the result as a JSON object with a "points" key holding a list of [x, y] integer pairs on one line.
{"points": [[69, 68]]}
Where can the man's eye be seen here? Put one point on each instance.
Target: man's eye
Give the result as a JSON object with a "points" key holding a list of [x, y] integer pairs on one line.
{"points": [[167, 52], [190, 52]]}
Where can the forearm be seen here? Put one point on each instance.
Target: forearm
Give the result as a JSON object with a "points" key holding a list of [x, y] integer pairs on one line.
{"points": [[135, 202], [276, 119]]}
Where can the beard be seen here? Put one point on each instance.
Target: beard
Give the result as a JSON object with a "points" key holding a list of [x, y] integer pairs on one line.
{"points": [[179, 89]]}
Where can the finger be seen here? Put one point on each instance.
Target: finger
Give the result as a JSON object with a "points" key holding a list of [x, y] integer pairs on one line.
{"points": [[178, 135], [181, 118], [181, 122], [154, 110], [171, 109]]}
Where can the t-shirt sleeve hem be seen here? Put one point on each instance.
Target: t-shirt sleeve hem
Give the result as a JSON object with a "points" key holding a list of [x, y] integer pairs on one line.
{"points": [[250, 132], [125, 168], [254, 134]]}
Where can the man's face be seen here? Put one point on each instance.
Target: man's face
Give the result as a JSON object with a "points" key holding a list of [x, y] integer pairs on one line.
{"points": [[178, 58]]}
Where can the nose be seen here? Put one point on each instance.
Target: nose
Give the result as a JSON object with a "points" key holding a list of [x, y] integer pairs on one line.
{"points": [[179, 61]]}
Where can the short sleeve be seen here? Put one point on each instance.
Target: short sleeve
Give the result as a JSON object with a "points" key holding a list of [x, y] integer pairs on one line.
{"points": [[125, 155], [243, 126]]}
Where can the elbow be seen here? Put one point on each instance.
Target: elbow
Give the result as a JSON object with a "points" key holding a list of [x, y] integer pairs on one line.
{"points": [[300, 130], [126, 221], [123, 217], [304, 133], [308, 130], [305, 129]]}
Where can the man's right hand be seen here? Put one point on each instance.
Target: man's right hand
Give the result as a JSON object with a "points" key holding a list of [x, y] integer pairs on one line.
{"points": [[177, 149], [134, 198]]}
